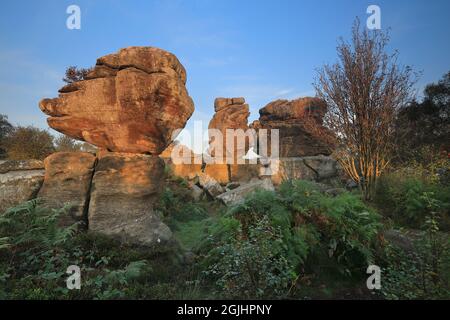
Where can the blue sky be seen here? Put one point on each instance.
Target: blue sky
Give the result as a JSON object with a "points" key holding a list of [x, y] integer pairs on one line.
{"points": [[259, 49]]}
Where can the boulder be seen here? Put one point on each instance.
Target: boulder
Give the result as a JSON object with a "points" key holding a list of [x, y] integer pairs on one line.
{"points": [[300, 126], [237, 195], [132, 101], [20, 165], [20, 181], [124, 189], [231, 113], [232, 185], [401, 239], [68, 177], [196, 192], [210, 185], [244, 172], [226, 173], [314, 168], [300, 108]]}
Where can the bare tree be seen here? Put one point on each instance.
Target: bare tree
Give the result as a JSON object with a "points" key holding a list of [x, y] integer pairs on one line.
{"points": [[364, 91]]}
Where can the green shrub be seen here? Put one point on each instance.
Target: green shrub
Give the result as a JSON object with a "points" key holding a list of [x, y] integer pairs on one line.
{"points": [[262, 204], [251, 264], [422, 273], [344, 228], [301, 225], [35, 253], [178, 205], [400, 197]]}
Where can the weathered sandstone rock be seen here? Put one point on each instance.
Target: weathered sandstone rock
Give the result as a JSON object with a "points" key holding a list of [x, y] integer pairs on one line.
{"points": [[244, 172], [231, 113], [196, 192], [219, 172], [132, 101], [210, 185], [226, 173], [20, 181], [295, 120], [237, 195], [295, 109], [124, 189], [67, 181], [314, 168], [20, 165]]}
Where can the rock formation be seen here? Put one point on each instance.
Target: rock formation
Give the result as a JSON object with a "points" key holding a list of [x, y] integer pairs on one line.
{"points": [[303, 151], [132, 101], [129, 106], [294, 120], [124, 189], [319, 168], [67, 181], [230, 113], [20, 181]]}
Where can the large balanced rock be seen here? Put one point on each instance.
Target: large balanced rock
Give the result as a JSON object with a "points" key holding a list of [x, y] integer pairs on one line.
{"points": [[124, 189], [132, 101], [20, 181], [67, 181], [295, 120]]}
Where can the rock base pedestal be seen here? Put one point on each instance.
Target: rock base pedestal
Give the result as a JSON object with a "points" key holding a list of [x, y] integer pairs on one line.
{"points": [[124, 189], [68, 177]]}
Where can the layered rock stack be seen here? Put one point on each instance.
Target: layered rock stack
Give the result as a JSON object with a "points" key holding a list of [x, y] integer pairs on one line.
{"points": [[230, 113], [302, 154], [293, 119], [129, 106], [303, 151]]}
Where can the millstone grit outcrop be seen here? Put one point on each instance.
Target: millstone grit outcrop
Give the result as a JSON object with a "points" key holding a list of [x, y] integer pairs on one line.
{"points": [[68, 177], [319, 168], [294, 120], [132, 101], [124, 189], [20, 181], [130, 105], [230, 113]]}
